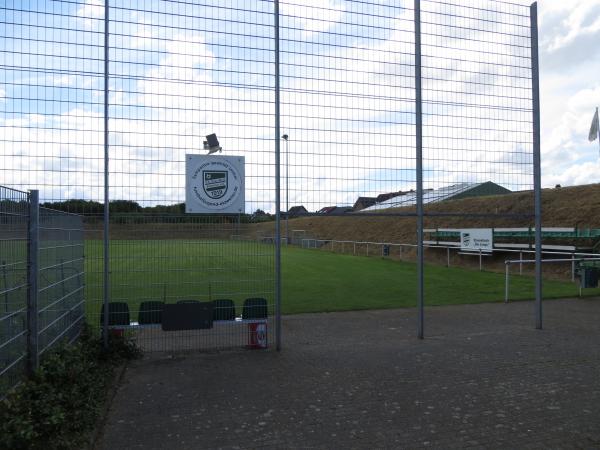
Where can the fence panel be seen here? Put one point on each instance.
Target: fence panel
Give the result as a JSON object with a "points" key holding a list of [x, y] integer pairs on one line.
{"points": [[61, 307], [32, 323], [14, 216]]}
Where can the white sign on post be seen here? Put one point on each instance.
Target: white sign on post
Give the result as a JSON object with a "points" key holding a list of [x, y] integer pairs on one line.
{"points": [[477, 239], [214, 184]]}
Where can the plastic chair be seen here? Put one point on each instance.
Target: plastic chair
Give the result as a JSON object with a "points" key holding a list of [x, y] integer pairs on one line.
{"points": [[223, 309], [255, 308], [118, 314]]}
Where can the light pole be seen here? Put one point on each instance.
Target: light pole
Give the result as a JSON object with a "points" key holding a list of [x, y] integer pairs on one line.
{"points": [[285, 137]]}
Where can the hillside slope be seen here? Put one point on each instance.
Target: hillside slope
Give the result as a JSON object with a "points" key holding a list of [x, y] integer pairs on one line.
{"points": [[577, 206]]}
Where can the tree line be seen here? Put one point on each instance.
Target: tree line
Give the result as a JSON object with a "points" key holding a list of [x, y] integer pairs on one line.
{"points": [[128, 211]]}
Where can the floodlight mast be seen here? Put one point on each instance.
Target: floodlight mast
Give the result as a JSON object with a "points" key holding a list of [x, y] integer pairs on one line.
{"points": [[212, 144]]}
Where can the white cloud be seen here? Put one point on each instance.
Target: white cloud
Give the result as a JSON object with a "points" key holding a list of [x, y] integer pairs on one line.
{"points": [[570, 89], [579, 19], [90, 12], [312, 16]]}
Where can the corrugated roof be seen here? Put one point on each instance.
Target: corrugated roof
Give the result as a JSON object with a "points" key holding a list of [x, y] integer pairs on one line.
{"points": [[429, 196]]}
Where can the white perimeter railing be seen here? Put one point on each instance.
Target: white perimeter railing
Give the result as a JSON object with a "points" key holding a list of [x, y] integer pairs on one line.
{"points": [[377, 248], [574, 257], [544, 261]]}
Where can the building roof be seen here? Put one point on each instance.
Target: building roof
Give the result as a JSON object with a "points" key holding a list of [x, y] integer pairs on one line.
{"points": [[383, 197], [363, 202], [453, 192], [298, 209]]}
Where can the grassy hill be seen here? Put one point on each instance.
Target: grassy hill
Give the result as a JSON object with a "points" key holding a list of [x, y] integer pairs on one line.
{"points": [[577, 206]]}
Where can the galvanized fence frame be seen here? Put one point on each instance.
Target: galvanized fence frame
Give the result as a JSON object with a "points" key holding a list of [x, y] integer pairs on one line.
{"points": [[14, 279], [42, 283]]}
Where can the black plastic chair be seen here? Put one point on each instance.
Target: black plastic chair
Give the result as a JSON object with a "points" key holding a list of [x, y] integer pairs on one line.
{"points": [[118, 314], [223, 309], [255, 308], [150, 313]]}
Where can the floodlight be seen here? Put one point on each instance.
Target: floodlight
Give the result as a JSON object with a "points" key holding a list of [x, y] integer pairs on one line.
{"points": [[212, 144]]}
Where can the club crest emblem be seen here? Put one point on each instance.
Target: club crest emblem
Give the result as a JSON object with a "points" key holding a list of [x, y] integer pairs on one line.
{"points": [[215, 183], [466, 239]]}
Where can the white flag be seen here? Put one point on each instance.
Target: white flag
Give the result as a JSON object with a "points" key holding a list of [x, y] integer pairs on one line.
{"points": [[595, 127]]}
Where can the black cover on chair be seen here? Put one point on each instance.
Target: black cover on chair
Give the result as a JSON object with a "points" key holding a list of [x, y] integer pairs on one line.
{"points": [[150, 312], [255, 308], [187, 316]]}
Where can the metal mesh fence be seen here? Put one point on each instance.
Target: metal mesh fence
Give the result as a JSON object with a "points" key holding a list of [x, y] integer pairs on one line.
{"points": [[180, 71], [154, 78], [477, 99], [348, 102], [14, 214], [41, 282], [60, 301]]}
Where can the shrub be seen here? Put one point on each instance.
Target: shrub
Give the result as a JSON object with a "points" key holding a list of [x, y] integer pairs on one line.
{"points": [[60, 404]]}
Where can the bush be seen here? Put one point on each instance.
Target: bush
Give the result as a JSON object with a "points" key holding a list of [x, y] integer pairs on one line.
{"points": [[60, 404]]}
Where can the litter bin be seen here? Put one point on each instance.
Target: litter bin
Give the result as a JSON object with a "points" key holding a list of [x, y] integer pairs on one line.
{"points": [[386, 250]]}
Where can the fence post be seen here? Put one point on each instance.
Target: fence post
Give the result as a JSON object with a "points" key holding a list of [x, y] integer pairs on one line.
{"points": [[521, 263], [572, 267], [354, 248], [106, 238], [506, 285], [480, 261], [33, 235], [419, 169], [277, 184], [447, 256], [537, 175]]}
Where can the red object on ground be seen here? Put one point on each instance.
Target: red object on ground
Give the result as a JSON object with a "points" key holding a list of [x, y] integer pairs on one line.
{"points": [[118, 332], [257, 335]]}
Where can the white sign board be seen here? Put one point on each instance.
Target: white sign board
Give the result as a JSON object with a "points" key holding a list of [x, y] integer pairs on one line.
{"points": [[214, 184], [476, 239]]}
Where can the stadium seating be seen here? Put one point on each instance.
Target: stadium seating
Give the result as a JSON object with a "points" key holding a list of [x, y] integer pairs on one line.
{"points": [[223, 309], [255, 308], [118, 314]]}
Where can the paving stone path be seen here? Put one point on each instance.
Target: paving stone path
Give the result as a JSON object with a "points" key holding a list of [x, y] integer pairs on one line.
{"points": [[483, 378]]}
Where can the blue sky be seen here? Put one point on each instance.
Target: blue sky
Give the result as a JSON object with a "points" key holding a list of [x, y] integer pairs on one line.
{"points": [[180, 72]]}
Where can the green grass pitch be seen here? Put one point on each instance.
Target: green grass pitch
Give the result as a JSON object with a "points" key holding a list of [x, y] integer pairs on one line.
{"points": [[312, 280]]}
